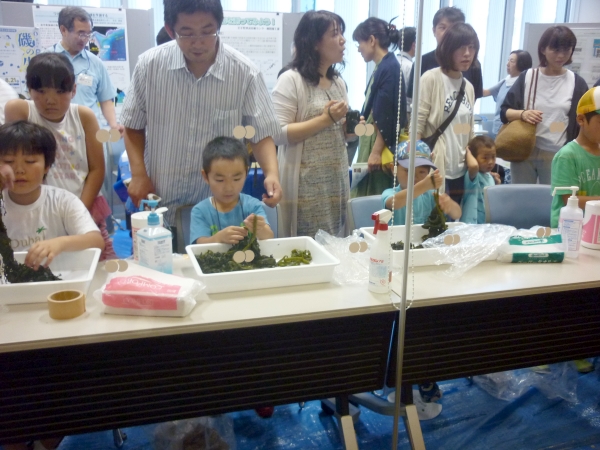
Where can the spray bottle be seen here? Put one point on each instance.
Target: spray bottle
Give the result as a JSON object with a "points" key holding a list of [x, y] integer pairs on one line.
{"points": [[155, 243], [379, 260], [570, 222]]}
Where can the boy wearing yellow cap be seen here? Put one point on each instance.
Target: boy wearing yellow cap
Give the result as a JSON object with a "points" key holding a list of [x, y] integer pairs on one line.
{"points": [[578, 162]]}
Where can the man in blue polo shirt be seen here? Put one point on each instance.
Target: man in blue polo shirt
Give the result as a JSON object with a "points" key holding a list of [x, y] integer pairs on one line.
{"points": [[93, 83]]}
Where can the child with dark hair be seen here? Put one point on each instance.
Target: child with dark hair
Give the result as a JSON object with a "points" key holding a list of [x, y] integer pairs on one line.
{"points": [[481, 160], [79, 165], [228, 215], [40, 219]]}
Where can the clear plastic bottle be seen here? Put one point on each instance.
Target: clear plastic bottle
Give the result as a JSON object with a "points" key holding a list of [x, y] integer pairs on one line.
{"points": [[155, 244], [570, 222], [379, 260]]}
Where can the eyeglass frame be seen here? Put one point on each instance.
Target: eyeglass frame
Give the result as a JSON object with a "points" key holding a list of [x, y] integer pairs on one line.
{"points": [[83, 36], [193, 37]]}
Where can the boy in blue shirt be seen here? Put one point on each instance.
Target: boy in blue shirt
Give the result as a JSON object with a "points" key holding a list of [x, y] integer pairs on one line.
{"points": [[425, 182], [227, 216], [481, 160]]}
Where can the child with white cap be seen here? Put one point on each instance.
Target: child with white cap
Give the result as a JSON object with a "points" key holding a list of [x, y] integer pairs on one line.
{"points": [[426, 181]]}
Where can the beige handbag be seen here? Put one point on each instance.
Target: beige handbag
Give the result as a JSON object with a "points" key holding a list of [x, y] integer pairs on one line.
{"points": [[515, 140]]}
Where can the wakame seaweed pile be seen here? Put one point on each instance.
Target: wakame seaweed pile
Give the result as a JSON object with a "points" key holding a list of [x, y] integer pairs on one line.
{"points": [[217, 262], [13, 271], [435, 223]]}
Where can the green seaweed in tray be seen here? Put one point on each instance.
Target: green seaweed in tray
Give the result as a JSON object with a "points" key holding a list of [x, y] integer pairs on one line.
{"points": [[435, 223], [13, 271], [217, 262]]}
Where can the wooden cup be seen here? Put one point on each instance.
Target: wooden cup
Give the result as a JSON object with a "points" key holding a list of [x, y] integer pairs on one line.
{"points": [[64, 305]]}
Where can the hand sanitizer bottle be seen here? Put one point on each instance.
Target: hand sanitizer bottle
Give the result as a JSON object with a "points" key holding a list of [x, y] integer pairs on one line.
{"points": [[570, 222], [379, 261], [155, 243]]}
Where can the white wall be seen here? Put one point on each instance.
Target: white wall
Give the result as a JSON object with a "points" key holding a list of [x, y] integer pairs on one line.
{"points": [[586, 11]]}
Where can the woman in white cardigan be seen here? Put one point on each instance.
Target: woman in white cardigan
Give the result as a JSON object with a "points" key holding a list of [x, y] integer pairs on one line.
{"points": [[311, 103], [437, 99]]}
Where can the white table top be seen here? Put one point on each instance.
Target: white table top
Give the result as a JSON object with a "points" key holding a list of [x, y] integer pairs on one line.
{"points": [[489, 280], [29, 326]]}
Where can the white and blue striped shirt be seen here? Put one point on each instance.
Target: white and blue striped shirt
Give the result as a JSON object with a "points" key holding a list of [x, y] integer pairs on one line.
{"points": [[182, 113]]}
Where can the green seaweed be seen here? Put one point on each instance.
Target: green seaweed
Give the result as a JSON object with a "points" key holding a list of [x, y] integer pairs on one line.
{"points": [[218, 262], [436, 222], [13, 271]]}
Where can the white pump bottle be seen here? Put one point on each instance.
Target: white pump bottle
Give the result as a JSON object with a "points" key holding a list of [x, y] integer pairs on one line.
{"points": [[570, 222], [379, 261]]}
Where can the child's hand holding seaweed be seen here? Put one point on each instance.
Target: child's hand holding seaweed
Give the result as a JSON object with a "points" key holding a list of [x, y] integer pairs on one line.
{"points": [[230, 235], [263, 230], [433, 181], [7, 176], [449, 206]]}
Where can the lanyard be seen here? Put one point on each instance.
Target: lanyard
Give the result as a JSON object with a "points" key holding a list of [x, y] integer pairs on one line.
{"points": [[217, 210], [88, 60]]}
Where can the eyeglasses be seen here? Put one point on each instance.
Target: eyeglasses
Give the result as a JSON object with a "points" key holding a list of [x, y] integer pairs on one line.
{"points": [[83, 36], [200, 38]]}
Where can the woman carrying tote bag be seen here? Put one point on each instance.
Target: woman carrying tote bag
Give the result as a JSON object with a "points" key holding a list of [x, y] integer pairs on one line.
{"points": [[557, 93]]}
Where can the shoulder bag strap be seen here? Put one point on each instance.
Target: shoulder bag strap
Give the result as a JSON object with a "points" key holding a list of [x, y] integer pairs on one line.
{"points": [[534, 80], [459, 99]]}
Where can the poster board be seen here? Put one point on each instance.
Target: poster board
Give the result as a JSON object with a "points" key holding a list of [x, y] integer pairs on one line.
{"points": [[259, 36], [586, 57], [109, 35], [17, 46]]}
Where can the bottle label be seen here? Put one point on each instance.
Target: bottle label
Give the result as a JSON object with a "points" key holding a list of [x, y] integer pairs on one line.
{"points": [[378, 273], [571, 232]]}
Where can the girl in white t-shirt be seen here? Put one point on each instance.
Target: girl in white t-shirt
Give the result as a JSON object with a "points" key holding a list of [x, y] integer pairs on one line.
{"points": [[79, 165], [439, 90]]}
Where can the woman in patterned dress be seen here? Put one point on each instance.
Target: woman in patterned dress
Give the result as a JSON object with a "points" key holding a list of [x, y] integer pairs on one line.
{"points": [[311, 104]]}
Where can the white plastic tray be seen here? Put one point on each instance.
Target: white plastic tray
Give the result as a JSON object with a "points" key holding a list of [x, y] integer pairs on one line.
{"points": [[76, 270], [420, 256], [320, 270]]}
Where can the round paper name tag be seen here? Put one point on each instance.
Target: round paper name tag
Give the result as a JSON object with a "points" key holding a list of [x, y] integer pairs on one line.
{"points": [[557, 127], [462, 128]]}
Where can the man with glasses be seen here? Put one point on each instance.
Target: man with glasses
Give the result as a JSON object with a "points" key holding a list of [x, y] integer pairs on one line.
{"points": [[185, 93], [91, 77]]}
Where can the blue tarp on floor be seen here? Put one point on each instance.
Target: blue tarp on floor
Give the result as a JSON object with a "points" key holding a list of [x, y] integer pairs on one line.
{"points": [[471, 419]]}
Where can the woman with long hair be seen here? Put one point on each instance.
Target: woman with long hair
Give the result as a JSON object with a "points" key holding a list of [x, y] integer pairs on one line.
{"points": [[311, 103], [374, 38]]}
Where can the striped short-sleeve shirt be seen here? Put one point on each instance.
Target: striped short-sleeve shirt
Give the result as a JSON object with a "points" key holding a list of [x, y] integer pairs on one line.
{"points": [[182, 113]]}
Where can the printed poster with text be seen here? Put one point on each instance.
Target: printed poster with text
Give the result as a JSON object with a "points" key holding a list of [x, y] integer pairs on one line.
{"points": [[259, 37], [17, 46], [586, 57], [109, 38]]}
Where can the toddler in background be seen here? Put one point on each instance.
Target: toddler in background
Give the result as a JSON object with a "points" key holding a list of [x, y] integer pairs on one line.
{"points": [[425, 182], [481, 160], [44, 220], [79, 165], [227, 216]]}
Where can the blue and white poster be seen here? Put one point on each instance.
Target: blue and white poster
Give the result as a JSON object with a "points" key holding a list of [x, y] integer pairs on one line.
{"points": [[108, 41], [17, 46]]}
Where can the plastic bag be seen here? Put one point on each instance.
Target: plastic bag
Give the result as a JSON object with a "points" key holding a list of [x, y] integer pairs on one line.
{"points": [[354, 266], [560, 381], [477, 243], [139, 291], [202, 433]]}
